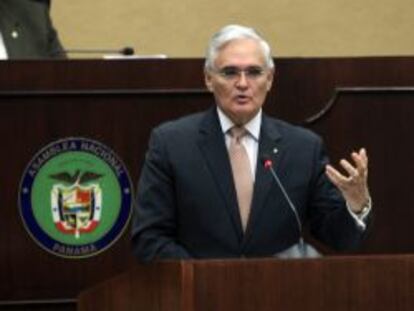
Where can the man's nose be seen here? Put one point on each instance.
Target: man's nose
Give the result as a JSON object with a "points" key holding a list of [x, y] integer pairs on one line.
{"points": [[241, 81]]}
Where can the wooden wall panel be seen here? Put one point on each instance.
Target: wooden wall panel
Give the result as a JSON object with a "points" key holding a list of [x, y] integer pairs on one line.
{"points": [[382, 120], [121, 101]]}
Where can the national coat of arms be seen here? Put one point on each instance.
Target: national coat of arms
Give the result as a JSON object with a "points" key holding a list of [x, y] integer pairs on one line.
{"points": [[76, 202], [75, 197]]}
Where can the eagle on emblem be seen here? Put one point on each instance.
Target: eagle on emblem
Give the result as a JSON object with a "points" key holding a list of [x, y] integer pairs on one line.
{"points": [[77, 177]]}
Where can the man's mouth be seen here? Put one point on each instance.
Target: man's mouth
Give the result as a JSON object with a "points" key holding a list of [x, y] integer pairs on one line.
{"points": [[241, 98]]}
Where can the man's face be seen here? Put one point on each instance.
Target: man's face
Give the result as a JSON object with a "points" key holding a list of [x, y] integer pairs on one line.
{"points": [[240, 79]]}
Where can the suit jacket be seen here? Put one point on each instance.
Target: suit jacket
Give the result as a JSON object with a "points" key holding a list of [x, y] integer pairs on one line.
{"points": [[187, 205], [27, 30]]}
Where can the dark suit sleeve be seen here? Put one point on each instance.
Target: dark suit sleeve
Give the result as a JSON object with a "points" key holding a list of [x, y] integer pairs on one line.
{"points": [[154, 228], [330, 220], [35, 36], [54, 46]]}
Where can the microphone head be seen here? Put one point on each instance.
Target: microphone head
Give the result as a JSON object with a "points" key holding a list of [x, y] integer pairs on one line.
{"points": [[266, 161], [127, 51]]}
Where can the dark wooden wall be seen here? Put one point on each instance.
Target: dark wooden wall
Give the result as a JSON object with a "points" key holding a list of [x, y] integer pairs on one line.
{"points": [[352, 102]]}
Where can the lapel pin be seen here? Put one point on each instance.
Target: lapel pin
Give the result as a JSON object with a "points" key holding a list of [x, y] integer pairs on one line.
{"points": [[15, 34]]}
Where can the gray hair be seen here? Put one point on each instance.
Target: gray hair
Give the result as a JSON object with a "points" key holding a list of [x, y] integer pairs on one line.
{"points": [[233, 32]]}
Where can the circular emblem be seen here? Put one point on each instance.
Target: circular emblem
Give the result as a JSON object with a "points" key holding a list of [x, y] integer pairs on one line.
{"points": [[75, 197]]}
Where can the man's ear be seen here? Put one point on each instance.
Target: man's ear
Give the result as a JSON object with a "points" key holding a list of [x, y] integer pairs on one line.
{"points": [[208, 80], [270, 78]]}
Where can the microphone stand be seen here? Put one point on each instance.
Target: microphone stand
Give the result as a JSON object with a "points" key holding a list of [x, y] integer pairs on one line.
{"points": [[268, 165]]}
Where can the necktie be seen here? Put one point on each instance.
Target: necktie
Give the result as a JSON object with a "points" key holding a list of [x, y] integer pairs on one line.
{"points": [[242, 173]]}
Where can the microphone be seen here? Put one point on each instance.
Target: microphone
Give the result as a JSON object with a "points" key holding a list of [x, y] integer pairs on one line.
{"points": [[301, 249], [127, 51], [268, 165]]}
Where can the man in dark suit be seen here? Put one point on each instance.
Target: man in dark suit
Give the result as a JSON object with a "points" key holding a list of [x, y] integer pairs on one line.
{"points": [[204, 191], [27, 31]]}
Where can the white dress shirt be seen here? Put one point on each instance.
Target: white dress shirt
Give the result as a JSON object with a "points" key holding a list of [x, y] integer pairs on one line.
{"points": [[3, 51]]}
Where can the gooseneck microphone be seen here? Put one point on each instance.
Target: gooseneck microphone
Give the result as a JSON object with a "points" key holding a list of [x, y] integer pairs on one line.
{"points": [[127, 51], [268, 165]]}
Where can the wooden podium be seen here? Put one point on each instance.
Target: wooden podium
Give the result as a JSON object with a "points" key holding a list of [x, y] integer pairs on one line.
{"points": [[332, 283]]}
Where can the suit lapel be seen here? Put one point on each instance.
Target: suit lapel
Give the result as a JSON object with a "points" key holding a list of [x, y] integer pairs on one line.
{"points": [[269, 146], [213, 148]]}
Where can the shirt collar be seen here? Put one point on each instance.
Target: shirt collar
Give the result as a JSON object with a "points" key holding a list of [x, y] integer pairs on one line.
{"points": [[253, 126], [3, 50]]}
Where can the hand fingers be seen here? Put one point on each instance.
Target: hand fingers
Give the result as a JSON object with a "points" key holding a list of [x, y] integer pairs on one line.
{"points": [[361, 162], [336, 177], [356, 172], [363, 154], [352, 184], [349, 168]]}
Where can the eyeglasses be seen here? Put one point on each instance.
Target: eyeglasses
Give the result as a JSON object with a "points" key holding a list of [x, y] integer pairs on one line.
{"points": [[233, 73]]}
